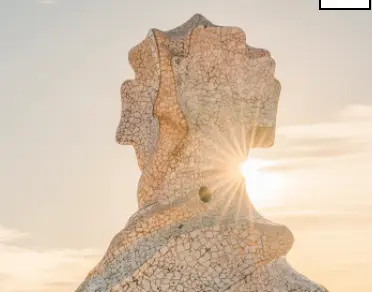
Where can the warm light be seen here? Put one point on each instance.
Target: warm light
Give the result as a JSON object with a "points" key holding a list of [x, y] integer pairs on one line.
{"points": [[263, 186], [252, 166]]}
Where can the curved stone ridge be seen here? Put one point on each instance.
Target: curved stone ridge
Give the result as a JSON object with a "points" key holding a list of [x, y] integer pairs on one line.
{"points": [[200, 100]]}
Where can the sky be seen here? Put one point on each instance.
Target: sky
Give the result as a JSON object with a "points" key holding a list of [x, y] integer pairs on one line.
{"points": [[66, 187]]}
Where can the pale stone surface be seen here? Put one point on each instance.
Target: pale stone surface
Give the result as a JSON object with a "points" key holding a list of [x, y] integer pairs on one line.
{"points": [[201, 98]]}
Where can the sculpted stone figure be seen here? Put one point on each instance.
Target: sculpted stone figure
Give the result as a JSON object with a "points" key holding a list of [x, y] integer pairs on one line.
{"points": [[201, 98]]}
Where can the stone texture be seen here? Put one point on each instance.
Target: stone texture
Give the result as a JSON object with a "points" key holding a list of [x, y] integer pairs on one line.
{"points": [[200, 100]]}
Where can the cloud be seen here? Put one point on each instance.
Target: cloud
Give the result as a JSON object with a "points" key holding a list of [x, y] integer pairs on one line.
{"points": [[308, 145], [328, 219], [9, 235], [31, 269], [357, 111]]}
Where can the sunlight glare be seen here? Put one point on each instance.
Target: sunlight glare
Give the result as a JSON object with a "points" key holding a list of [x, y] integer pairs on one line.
{"points": [[252, 166], [263, 187]]}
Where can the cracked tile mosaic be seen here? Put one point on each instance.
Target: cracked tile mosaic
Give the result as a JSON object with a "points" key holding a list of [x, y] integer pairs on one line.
{"points": [[201, 98]]}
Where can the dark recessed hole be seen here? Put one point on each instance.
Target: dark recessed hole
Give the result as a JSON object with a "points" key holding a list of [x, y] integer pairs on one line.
{"points": [[205, 194], [177, 61]]}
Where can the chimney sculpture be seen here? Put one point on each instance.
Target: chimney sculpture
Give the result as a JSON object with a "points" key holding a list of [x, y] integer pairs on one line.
{"points": [[201, 98]]}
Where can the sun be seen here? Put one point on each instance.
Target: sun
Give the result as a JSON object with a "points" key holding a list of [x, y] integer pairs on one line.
{"points": [[263, 186], [252, 166], [255, 178]]}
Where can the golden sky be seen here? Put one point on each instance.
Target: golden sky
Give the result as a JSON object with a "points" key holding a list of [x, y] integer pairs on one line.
{"points": [[67, 187]]}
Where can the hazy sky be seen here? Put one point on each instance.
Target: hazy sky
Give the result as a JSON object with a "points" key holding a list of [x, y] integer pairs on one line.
{"points": [[66, 187]]}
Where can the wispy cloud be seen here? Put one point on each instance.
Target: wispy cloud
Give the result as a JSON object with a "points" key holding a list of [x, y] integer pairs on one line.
{"points": [[31, 269], [10, 235], [357, 111], [310, 144]]}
